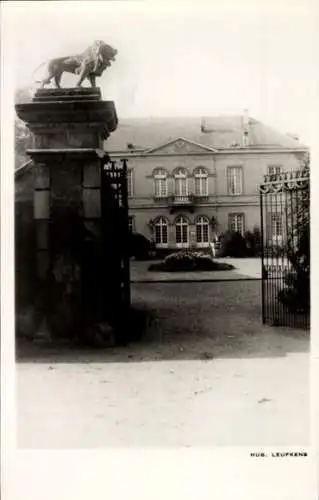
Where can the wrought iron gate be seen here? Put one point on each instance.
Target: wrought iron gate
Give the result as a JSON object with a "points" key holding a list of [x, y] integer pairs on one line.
{"points": [[115, 241], [285, 241]]}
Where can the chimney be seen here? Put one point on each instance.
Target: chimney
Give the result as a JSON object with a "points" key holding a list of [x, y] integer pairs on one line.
{"points": [[293, 136], [246, 128], [203, 127]]}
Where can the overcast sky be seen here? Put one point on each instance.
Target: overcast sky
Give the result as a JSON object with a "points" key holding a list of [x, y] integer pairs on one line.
{"points": [[185, 59]]}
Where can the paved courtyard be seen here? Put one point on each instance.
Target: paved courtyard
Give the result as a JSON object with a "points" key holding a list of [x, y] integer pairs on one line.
{"points": [[206, 373]]}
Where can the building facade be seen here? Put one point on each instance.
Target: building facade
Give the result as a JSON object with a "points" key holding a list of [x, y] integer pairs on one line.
{"points": [[190, 179]]}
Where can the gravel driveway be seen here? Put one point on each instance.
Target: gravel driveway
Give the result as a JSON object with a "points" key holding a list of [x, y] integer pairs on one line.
{"points": [[206, 373]]}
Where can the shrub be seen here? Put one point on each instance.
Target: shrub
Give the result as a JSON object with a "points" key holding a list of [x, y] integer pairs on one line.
{"points": [[180, 261], [233, 244], [140, 246], [189, 261], [296, 295], [253, 242]]}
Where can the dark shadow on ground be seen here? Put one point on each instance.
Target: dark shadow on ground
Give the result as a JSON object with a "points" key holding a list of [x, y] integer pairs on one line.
{"points": [[187, 321]]}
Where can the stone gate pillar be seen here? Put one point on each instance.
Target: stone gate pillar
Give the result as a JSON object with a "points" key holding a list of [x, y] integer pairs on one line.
{"points": [[68, 127]]}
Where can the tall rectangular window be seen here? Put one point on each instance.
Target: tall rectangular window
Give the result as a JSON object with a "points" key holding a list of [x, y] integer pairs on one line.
{"points": [[160, 188], [181, 182], [160, 183], [236, 223], [234, 180], [161, 231], [181, 231], [276, 225], [130, 182], [131, 224], [202, 230], [201, 182], [181, 234], [274, 169]]}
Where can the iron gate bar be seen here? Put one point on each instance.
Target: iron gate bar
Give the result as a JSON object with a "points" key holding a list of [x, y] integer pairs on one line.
{"points": [[262, 259], [283, 197], [115, 237]]}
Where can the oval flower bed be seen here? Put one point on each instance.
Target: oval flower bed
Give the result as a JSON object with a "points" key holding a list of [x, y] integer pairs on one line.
{"points": [[189, 261]]}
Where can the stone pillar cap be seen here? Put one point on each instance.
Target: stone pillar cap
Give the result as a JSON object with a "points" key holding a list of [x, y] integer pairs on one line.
{"points": [[68, 94], [75, 105]]}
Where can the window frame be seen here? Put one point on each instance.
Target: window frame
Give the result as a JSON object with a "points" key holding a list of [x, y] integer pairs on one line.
{"points": [[182, 244], [276, 236], [236, 214], [160, 178], [274, 166], [130, 183], [202, 218], [131, 223], [183, 175], [161, 222], [230, 169], [201, 177]]}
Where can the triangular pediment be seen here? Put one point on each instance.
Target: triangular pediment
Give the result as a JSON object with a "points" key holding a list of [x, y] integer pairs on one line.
{"points": [[180, 146]]}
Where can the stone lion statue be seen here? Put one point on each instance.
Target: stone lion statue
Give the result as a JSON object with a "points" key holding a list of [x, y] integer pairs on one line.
{"points": [[89, 64]]}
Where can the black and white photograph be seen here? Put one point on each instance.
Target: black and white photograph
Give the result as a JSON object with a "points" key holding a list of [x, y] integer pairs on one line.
{"points": [[162, 158]]}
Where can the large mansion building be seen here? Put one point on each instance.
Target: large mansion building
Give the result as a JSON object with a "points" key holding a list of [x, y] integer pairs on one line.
{"points": [[191, 178]]}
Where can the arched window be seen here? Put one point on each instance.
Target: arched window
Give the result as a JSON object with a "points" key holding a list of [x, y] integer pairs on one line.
{"points": [[181, 227], [202, 231], [181, 184], [201, 182], [160, 183], [161, 231]]}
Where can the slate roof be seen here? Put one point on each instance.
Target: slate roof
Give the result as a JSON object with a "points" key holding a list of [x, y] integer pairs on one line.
{"points": [[223, 132]]}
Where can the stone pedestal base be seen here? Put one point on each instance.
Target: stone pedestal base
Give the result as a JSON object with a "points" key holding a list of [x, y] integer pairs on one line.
{"points": [[69, 127]]}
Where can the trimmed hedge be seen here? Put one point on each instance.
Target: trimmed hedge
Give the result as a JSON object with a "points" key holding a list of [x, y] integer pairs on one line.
{"points": [[189, 261], [232, 244], [139, 246], [253, 242]]}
